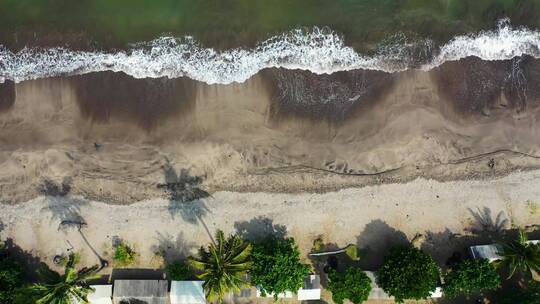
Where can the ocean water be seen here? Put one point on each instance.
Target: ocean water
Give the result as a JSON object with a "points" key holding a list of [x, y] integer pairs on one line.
{"points": [[229, 41]]}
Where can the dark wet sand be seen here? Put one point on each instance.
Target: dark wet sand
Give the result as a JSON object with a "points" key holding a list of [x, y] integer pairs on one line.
{"points": [[112, 136]]}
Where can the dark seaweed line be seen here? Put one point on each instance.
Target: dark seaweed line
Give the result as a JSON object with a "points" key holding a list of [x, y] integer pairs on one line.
{"points": [[452, 162]]}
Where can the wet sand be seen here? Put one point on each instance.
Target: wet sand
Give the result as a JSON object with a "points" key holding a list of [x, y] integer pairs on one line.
{"points": [[112, 138]]}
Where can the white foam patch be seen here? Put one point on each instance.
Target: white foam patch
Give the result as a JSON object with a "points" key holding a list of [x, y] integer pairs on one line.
{"points": [[319, 51]]}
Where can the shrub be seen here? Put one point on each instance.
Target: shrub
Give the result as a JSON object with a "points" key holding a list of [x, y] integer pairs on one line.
{"points": [[354, 285], [178, 271], [124, 255], [408, 273], [528, 295], [11, 279], [276, 266], [471, 276]]}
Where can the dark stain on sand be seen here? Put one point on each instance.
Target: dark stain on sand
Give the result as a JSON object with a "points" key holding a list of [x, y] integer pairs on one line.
{"points": [[107, 96], [7, 95], [333, 97]]}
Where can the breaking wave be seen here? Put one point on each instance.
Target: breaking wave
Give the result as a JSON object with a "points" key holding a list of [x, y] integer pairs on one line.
{"points": [[318, 50]]}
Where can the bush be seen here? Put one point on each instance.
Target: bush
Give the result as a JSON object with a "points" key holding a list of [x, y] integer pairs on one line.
{"points": [[124, 255], [11, 279], [178, 271], [471, 276], [408, 273], [354, 285], [528, 295], [276, 266]]}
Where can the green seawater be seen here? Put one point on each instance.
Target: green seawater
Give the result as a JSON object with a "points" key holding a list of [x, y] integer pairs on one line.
{"points": [[242, 23]]}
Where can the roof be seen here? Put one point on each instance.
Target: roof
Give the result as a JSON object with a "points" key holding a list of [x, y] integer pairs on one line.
{"points": [[147, 291], [102, 294], [311, 289], [488, 252], [187, 292]]}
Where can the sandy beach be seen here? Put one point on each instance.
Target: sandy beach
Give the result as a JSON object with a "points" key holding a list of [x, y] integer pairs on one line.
{"points": [[113, 138], [451, 215]]}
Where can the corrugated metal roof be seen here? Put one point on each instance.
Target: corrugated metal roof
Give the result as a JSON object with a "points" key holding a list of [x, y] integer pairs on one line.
{"points": [[140, 291]]}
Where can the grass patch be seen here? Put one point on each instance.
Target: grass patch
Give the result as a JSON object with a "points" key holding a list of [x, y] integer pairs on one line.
{"points": [[124, 255]]}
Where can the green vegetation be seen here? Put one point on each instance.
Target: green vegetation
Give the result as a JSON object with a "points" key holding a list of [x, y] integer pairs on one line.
{"points": [[178, 271], [471, 276], [223, 266], [408, 273], [124, 255], [277, 267], [11, 278], [354, 285], [64, 289], [526, 295], [520, 256]]}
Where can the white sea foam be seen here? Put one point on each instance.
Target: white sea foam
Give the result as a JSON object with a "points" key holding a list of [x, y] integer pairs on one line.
{"points": [[320, 51]]}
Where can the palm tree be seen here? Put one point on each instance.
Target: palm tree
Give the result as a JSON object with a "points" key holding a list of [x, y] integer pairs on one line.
{"points": [[223, 265], [70, 288], [520, 255]]}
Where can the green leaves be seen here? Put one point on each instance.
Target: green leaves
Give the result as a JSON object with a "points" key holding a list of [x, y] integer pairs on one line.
{"points": [[124, 255], [520, 256], [277, 267], [222, 265], [408, 273], [11, 278], [178, 271], [354, 285], [66, 289], [471, 276]]}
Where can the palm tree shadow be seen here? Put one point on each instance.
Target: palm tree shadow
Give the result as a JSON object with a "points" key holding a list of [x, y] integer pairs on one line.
{"points": [[484, 222], [67, 213], [173, 249]]}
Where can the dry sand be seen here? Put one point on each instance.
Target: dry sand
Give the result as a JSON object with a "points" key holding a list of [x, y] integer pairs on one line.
{"points": [[451, 214]]}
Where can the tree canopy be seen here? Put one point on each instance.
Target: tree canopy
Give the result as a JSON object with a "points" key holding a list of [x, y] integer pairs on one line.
{"points": [[523, 295], [223, 266], [408, 273], [354, 285], [520, 256], [277, 267], [471, 276], [11, 278]]}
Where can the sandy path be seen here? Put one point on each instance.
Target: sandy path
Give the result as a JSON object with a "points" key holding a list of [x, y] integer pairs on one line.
{"points": [[372, 217]]}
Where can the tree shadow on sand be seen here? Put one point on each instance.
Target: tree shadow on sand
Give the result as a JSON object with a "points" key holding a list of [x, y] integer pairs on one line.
{"points": [[30, 262], [172, 248], [259, 228], [67, 212], [485, 223], [376, 240]]}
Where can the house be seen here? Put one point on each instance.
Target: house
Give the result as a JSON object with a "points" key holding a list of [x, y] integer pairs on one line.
{"points": [[102, 294], [140, 291], [491, 252], [187, 292], [311, 289]]}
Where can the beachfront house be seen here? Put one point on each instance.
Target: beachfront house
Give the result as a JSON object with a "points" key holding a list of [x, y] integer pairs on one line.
{"points": [[140, 291], [187, 292], [491, 252], [102, 294], [377, 293], [311, 290]]}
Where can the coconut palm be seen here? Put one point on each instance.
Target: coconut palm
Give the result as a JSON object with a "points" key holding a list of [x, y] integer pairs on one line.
{"points": [[69, 288], [223, 265], [520, 255]]}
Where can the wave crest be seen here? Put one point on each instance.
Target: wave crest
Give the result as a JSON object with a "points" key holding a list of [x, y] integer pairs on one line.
{"points": [[318, 50]]}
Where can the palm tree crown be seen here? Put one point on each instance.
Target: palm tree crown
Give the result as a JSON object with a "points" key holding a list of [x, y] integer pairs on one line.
{"points": [[521, 255], [223, 265], [70, 288]]}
